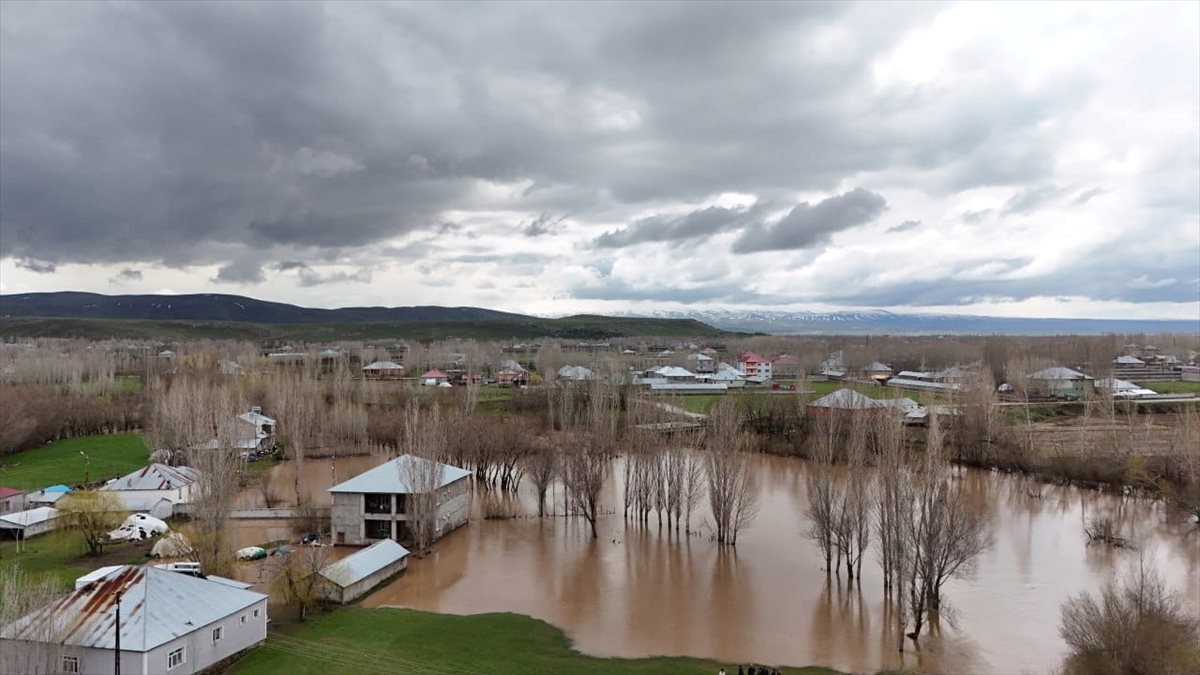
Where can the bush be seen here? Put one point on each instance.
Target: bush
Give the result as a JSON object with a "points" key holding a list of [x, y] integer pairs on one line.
{"points": [[1138, 627]]}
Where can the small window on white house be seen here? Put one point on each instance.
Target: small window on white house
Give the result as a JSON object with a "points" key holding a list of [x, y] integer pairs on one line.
{"points": [[256, 613], [70, 664], [243, 618], [175, 658], [218, 633]]}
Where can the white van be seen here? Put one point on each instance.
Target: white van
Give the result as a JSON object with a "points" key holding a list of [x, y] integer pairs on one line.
{"points": [[191, 568]]}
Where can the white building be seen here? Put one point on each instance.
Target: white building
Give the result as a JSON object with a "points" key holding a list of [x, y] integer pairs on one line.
{"points": [[374, 505], [154, 482], [360, 572], [25, 524], [164, 622]]}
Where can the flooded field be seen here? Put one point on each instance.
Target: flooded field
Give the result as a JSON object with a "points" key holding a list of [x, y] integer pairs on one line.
{"points": [[642, 591], [639, 591]]}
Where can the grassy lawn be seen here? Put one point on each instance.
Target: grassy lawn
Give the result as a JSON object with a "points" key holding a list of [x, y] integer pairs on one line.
{"points": [[357, 640], [1179, 387], [697, 403], [61, 555], [109, 456]]}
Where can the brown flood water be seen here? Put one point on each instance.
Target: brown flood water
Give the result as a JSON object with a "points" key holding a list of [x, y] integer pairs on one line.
{"points": [[638, 591]]}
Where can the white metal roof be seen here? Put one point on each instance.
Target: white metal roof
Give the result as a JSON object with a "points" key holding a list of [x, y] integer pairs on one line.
{"points": [[846, 399], [255, 418], [383, 365], [156, 607], [23, 519], [43, 497], [575, 373], [156, 477], [1058, 373], [358, 566], [1129, 361], [675, 371], [394, 477], [94, 575]]}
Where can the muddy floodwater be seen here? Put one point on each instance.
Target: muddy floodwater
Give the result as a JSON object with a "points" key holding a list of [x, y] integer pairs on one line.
{"points": [[640, 591]]}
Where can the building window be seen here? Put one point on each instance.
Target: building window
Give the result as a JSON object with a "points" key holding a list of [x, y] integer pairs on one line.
{"points": [[379, 529], [378, 504], [243, 618], [175, 658], [256, 613], [70, 664], [218, 633]]}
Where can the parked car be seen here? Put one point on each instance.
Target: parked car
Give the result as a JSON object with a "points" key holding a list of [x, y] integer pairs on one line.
{"points": [[310, 539]]}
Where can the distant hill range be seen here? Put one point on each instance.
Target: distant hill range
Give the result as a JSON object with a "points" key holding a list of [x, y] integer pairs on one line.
{"points": [[234, 317], [219, 307], [94, 315], [879, 322]]}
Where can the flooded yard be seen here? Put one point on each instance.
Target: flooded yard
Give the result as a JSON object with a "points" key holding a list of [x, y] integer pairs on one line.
{"points": [[638, 591]]}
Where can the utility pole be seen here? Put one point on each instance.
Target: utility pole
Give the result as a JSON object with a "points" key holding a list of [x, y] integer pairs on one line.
{"points": [[117, 626], [87, 467]]}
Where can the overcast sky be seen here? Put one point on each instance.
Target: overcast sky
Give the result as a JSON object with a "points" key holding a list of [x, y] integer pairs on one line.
{"points": [[1011, 159]]}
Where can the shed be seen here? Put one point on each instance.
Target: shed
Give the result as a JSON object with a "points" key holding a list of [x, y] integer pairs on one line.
{"points": [[31, 523], [846, 402], [432, 378], [359, 573], [152, 483]]}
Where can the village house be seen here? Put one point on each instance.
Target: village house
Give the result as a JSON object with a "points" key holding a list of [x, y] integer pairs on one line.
{"points": [[349, 578], [785, 367], [702, 364], [754, 366], [878, 371], [46, 496], [11, 500], [373, 505], [381, 370], [154, 482], [847, 403], [575, 374], [164, 621], [434, 378], [1062, 382]]}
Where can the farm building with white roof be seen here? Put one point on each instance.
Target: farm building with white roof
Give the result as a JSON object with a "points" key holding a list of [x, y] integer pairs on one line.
{"points": [[157, 621], [352, 576], [374, 505]]}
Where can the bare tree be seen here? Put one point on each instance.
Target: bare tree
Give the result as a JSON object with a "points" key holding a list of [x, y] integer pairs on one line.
{"points": [[421, 470], [584, 468], [542, 467], [732, 493], [1139, 626], [822, 488], [93, 513], [32, 637]]}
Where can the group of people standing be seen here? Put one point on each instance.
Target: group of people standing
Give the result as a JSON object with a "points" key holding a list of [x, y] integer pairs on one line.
{"points": [[760, 670]]}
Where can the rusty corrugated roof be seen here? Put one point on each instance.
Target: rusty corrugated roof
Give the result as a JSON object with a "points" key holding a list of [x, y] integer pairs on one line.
{"points": [[156, 605]]}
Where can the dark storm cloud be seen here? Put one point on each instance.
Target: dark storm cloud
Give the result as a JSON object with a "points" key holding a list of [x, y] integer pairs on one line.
{"points": [[246, 269], [807, 224], [285, 265], [679, 229], [906, 226], [37, 266], [127, 274]]}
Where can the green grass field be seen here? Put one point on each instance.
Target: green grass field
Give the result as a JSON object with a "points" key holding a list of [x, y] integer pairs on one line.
{"points": [[357, 640], [61, 555], [108, 456], [1178, 387]]}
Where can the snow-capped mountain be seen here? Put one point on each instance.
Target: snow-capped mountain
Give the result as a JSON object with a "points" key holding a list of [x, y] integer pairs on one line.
{"points": [[876, 321]]}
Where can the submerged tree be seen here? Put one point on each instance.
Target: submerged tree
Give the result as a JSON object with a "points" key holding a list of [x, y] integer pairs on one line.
{"points": [[298, 582], [1137, 627], [421, 471], [732, 492]]}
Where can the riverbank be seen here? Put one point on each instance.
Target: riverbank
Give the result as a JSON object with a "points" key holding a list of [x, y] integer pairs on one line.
{"points": [[390, 640]]}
